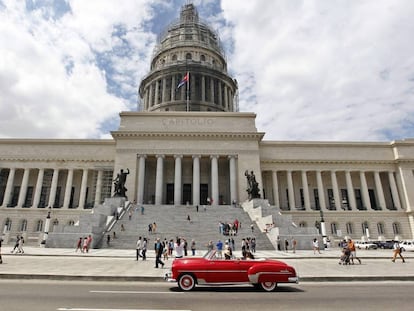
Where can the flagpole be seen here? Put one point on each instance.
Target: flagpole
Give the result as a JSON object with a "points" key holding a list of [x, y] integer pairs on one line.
{"points": [[188, 90]]}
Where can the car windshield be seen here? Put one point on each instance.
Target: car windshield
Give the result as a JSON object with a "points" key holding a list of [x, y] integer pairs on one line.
{"points": [[210, 254]]}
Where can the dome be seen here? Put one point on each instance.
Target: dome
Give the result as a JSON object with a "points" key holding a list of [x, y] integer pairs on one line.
{"points": [[188, 48]]}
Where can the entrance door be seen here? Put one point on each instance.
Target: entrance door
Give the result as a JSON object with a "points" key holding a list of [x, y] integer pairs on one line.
{"points": [[170, 193], [203, 193], [187, 194]]}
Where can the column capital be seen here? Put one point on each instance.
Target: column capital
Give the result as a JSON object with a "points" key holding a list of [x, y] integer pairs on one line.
{"points": [[214, 156], [160, 156], [142, 156], [232, 156], [178, 156], [196, 156]]}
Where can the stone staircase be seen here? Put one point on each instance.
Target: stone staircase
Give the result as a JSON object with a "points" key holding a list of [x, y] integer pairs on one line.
{"points": [[172, 222]]}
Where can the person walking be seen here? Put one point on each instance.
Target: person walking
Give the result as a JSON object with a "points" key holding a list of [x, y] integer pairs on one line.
{"points": [[352, 249], [158, 248], [294, 242], [139, 248], [286, 245], [315, 244], [179, 248], [20, 247], [1, 259], [397, 252], [16, 244], [144, 249], [193, 247], [79, 245]]}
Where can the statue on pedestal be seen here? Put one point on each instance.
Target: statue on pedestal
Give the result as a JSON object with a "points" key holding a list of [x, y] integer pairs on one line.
{"points": [[253, 186], [119, 182]]}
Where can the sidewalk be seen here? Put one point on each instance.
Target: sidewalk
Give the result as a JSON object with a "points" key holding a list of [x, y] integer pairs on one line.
{"points": [[120, 265]]}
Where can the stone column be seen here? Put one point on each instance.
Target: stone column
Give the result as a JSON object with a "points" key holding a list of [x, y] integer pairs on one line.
{"points": [[68, 189], [394, 191], [214, 179], [164, 90], [157, 85], [177, 179], [203, 88], [141, 179], [212, 89], [159, 179], [275, 185], [220, 98], [305, 186], [173, 86], [335, 190], [380, 191], [364, 190], [196, 179], [226, 97], [291, 191], [53, 187], [150, 103], [98, 188], [351, 193], [9, 187], [82, 197], [23, 188], [321, 192], [38, 191], [233, 179]]}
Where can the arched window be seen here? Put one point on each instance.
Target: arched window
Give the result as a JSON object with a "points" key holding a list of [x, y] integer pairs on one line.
{"points": [[349, 228], [334, 228], [7, 224], [188, 56], [396, 228], [381, 228], [203, 58], [39, 225], [23, 225], [365, 228], [174, 57]]}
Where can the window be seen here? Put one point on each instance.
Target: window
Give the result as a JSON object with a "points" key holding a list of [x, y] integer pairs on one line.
{"points": [[381, 228], [23, 225], [174, 57], [39, 225], [7, 224], [188, 56], [334, 228], [396, 228], [349, 228], [365, 228], [203, 58], [302, 224]]}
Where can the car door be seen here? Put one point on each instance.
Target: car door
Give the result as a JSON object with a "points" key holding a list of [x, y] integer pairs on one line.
{"points": [[227, 271]]}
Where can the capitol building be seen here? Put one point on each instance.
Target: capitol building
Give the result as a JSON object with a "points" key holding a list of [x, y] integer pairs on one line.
{"points": [[188, 144]]}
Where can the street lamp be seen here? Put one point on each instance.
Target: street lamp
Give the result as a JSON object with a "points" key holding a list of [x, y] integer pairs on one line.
{"points": [[47, 225], [323, 230]]}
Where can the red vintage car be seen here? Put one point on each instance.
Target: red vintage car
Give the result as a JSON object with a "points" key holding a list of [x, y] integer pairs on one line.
{"points": [[210, 270]]}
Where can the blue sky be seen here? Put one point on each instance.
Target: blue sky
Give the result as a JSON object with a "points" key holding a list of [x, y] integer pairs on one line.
{"points": [[339, 70]]}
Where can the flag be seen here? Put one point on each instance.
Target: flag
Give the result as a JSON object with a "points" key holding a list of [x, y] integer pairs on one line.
{"points": [[184, 80]]}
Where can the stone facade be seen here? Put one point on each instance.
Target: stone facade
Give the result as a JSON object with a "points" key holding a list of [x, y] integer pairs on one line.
{"points": [[182, 152]]}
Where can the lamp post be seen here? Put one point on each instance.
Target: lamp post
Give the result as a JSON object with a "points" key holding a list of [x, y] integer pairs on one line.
{"points": [[47, 225], [323, 230]]}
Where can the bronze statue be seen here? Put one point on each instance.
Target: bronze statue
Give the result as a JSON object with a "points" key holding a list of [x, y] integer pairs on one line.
{"points": [[119, 183], [253, 186]]}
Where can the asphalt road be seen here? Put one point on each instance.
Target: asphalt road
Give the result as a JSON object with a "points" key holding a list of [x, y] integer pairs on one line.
{"points": [[34, 295]]}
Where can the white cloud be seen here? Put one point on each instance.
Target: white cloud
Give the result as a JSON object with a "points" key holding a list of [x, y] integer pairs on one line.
{"points": [[51, 82], [325, 70], [311, 70]]}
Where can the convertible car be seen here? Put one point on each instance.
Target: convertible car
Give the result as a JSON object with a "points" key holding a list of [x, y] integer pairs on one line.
{"points": [[210, 270]]}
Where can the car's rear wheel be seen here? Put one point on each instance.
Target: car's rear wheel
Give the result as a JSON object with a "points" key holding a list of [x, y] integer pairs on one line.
{"points": [[186, 282], [268, 286]]}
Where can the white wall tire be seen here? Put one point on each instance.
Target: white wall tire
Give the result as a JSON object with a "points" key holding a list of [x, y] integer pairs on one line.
{"points": [[186, 282], [268, 286]]}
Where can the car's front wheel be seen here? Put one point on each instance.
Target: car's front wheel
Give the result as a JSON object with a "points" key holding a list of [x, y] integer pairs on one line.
{"points": [[186, 282], [268, 286]]}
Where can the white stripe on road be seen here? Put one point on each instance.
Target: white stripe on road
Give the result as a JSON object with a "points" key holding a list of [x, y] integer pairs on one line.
{"points": [[129, 292]]}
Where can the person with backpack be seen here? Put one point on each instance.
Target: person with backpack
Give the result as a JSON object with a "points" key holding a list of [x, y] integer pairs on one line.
{"points": [[397, 252]]}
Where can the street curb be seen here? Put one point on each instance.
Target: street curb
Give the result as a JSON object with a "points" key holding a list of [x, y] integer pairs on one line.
{"points": [[161, 279]]}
